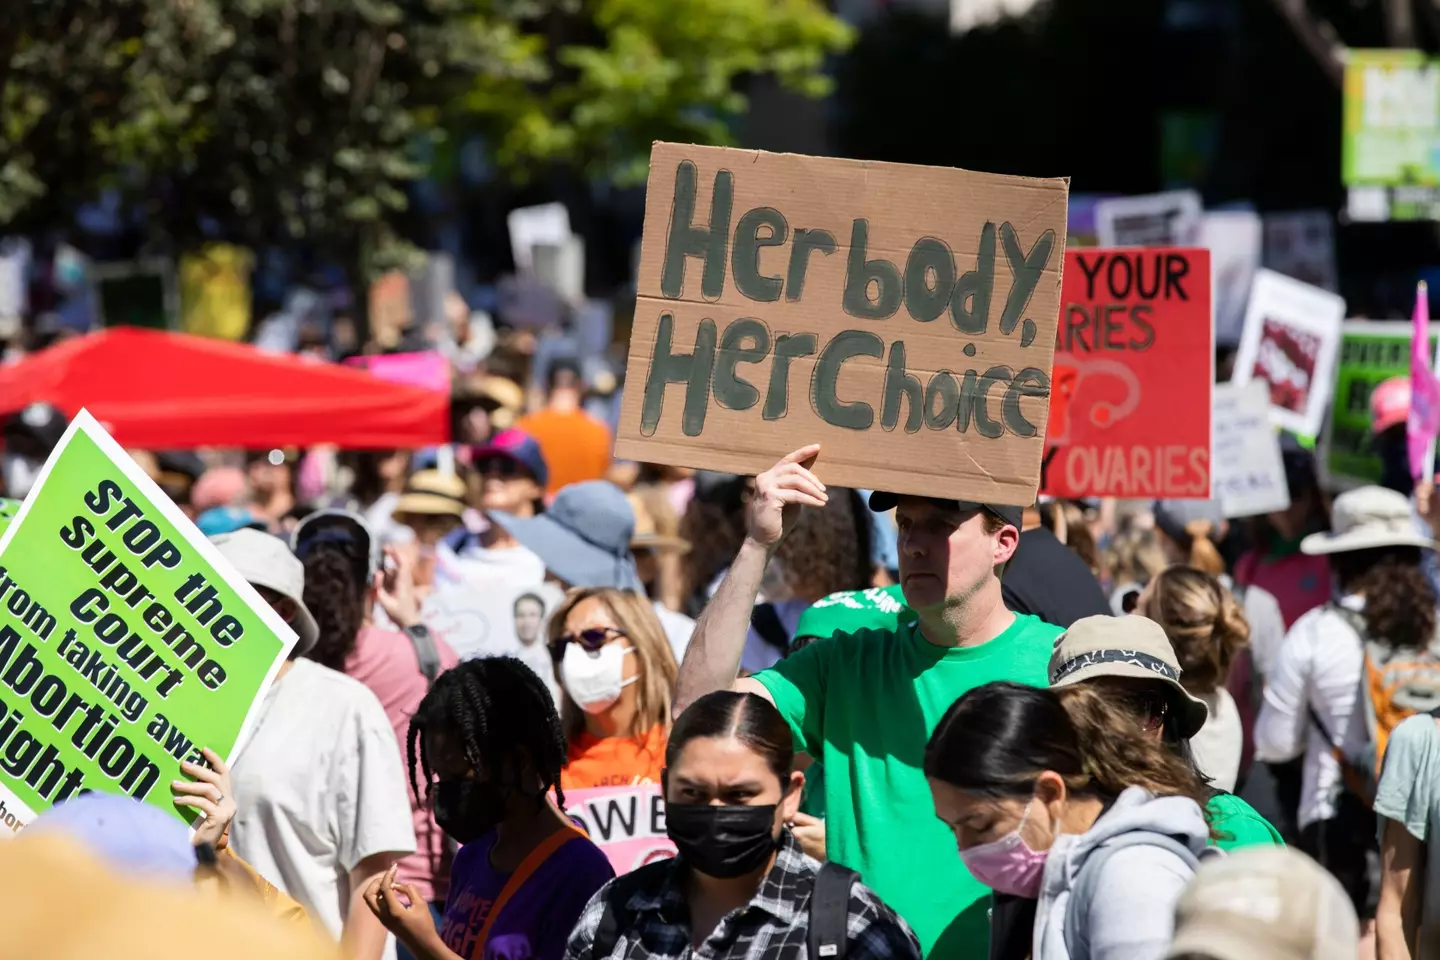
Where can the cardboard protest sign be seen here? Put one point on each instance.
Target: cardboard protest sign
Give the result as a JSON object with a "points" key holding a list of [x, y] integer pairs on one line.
{"points": [[1153, 220], [1370, 353], [1249, 472], [628, 823], [1291, 335], [1130, 407], [903, 317], [126, 642]]}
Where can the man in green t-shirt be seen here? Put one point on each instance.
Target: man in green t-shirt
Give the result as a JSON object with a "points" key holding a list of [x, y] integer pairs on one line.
{"points": [[864, 704]]}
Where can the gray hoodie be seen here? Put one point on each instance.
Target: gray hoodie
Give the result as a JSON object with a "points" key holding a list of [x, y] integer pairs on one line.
{"points": [[1131, 915]]}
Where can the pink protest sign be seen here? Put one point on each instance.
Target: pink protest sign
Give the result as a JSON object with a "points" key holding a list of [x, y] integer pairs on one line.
{"points": [[628, 823], [427, 368]]}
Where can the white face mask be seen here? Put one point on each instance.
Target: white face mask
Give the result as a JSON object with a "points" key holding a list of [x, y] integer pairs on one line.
{"points": [[20, 474], [594, 680]]}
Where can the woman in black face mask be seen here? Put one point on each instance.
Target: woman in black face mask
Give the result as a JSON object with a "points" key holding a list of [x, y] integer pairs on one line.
{"points": [[740, 886], [489, 747]]}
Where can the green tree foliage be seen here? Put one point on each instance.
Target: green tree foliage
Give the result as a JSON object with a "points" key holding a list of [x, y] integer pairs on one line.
{"points": [[269, 120]]}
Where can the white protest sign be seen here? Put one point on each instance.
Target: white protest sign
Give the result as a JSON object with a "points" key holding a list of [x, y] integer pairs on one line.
{"points": [[1153, 220], [1233, 238], [1290, 341], [560, 265], [546, 223], [1245, 465]]}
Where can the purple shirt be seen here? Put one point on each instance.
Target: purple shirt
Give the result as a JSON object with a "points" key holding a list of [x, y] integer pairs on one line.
{"points": [[536, 921]]}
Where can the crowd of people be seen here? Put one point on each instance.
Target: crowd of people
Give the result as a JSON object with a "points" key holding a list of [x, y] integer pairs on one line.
{"points": [[880, 725]]}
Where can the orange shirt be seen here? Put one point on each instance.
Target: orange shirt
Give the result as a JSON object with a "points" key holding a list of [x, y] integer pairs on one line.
{"points": [[575, 444], [615, 761]]}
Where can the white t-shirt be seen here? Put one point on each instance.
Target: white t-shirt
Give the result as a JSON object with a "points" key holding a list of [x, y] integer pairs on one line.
{"points": [[1318, 666], [320, 786], [1218, 745]]}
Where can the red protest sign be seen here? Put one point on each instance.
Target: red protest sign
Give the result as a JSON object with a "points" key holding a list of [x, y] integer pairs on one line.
{"points": [[1134, 359]]}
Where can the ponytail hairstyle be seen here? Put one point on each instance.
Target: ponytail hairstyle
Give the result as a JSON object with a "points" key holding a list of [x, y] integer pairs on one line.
{"points": [[335, 594], [998, 738], [1204, 622], [1203, 554]]}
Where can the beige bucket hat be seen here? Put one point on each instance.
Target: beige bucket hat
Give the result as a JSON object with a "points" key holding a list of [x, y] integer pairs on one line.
{"points": [[1128, 646]]}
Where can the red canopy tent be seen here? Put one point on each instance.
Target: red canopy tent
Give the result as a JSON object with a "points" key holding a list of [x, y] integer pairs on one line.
{"points": [[166, 391]]}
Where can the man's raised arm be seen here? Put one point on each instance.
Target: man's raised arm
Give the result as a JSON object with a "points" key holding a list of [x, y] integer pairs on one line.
{"points": [[712, 660]]}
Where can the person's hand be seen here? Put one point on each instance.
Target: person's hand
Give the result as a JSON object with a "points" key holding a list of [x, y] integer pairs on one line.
{"points": [[395, 589], [208, 790], [1428, 505], [409, 918], [810, 834], [780, 492]]}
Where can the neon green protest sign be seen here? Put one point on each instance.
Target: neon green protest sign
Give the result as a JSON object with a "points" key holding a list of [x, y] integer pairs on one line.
{"points": [[127, 643]]}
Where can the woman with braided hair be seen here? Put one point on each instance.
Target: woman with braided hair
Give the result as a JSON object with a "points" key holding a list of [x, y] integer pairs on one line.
{"points": [[485, 749]]}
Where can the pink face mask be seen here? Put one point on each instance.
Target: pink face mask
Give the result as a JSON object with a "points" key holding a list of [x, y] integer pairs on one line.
{"points": [[1008, 865]]}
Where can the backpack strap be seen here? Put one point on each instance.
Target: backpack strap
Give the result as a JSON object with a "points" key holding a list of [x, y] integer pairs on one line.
{"points": [[616, 916], [829, 934], [767, 623], [426, 652], [1082, 889], [532, 862]]}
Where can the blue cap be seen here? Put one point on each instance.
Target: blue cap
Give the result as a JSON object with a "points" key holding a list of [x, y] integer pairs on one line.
{"points": [[519, 446], [218, 520], [132, 836], [583, 536]]}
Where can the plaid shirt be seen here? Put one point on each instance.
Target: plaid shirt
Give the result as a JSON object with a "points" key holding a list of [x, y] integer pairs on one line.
{"points": [[774, 925]]}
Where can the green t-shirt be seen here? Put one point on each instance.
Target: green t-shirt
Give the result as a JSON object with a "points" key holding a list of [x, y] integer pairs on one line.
{"points": [[1239, 824], [864, 704]]}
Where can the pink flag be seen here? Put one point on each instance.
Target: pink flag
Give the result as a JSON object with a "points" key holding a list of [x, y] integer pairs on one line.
{"points": [[1424, 420], [427, 368]]}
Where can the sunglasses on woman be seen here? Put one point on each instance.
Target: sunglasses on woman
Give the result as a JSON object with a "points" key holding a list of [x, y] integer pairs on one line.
{"points": [[590, 640], [1149, 707]]}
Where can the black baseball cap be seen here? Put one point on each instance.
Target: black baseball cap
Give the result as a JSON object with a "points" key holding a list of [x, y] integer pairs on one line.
{"points": [[880, 501]]}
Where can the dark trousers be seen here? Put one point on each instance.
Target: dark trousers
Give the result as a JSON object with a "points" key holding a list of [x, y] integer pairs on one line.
{"points": [[1346, 846]]}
